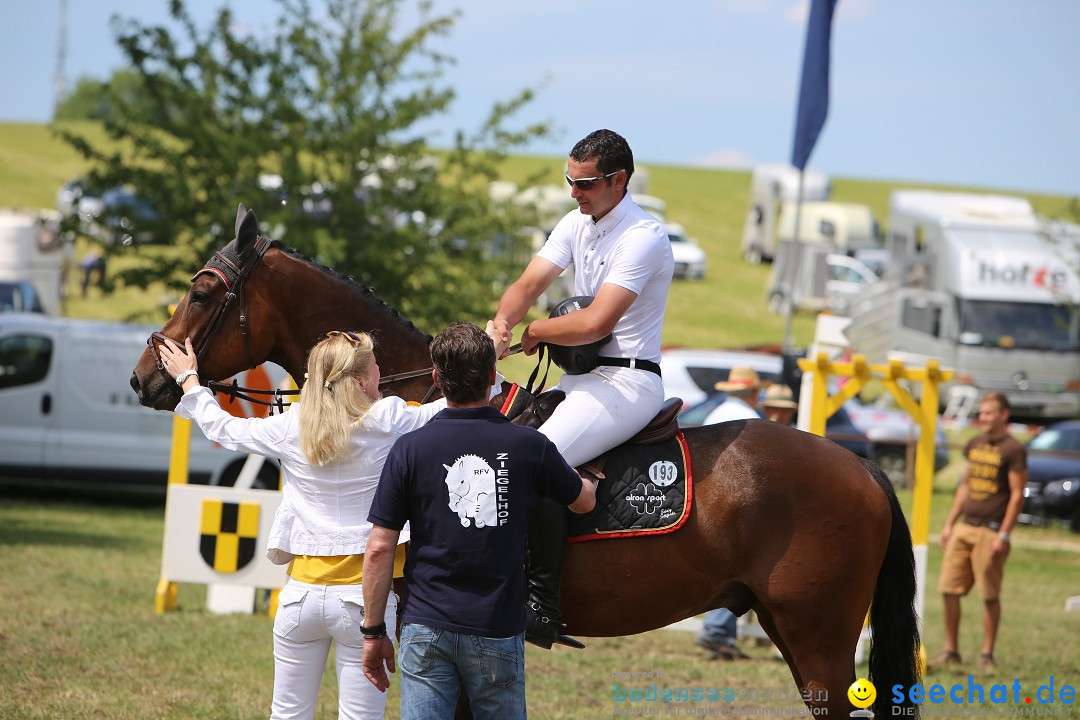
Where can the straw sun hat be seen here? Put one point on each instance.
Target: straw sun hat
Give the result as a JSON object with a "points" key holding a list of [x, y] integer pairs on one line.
{"points": [[779, 396], [741, 377]]}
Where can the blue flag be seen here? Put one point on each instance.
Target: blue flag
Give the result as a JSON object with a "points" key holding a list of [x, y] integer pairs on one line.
{"points": [[814, 91]]}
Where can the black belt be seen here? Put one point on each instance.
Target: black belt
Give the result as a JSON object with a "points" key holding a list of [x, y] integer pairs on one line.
{"points": [[993, 524], [630, 363]]}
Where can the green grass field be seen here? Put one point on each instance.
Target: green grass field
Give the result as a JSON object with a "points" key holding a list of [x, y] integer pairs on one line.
{"points": [[79, 637]]}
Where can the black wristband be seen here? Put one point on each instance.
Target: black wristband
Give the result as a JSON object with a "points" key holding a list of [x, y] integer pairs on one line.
{"points": [[373, 633]]}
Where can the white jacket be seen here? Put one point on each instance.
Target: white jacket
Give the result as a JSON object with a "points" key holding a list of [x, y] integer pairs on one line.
{"points": [[323, 510]]}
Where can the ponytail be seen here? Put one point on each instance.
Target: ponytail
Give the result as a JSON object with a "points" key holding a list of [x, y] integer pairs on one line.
{"points": [[332, 402]]}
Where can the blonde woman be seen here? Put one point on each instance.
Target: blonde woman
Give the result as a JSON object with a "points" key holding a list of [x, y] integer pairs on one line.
{"points": [[331, 447]]}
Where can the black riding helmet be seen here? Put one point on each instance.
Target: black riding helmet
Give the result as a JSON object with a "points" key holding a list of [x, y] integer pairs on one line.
{"points": [[577, 359]]}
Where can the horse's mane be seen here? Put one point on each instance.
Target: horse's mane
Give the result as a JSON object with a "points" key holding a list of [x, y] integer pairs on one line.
{"points": [[362, 292]]}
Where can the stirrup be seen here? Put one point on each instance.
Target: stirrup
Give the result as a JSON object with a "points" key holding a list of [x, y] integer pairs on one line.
{"points": [[542, 631]]}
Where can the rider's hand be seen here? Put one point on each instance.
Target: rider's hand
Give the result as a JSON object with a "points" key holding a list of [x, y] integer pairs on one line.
{"points": [[174, 359], [528, 342]]}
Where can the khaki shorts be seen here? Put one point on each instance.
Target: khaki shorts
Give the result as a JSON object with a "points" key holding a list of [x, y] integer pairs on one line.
{"points": [[967, 561]]}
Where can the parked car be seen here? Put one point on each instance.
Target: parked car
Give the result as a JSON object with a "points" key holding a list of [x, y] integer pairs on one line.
{"points": [[838, 427], [117, 215], [19, 296], [692, 374], [1053, 486], [893, 432], [689, 258]]}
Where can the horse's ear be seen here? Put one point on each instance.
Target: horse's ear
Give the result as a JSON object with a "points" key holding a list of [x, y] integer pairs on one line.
{"points": [[241, 211], [247, 229]]}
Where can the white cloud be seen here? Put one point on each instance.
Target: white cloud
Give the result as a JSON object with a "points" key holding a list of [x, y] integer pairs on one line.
{"points": [[727, 159]]}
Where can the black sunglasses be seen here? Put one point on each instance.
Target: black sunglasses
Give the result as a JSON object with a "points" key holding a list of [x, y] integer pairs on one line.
{"points": [[352, 337], [587, 183]]}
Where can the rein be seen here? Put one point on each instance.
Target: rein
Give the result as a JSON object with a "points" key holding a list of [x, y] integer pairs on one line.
{"points": [[234, 289], [235, 391]]}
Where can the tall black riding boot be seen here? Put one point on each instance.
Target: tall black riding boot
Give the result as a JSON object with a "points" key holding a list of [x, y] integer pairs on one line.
{"points": [[546, 545]]}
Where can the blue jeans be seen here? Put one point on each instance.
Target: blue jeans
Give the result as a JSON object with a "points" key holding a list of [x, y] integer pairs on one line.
{"points": [[436, 664], [719, 626]]}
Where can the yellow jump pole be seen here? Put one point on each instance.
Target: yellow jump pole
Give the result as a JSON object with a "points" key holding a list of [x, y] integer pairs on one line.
{"points": [[165, 594]]}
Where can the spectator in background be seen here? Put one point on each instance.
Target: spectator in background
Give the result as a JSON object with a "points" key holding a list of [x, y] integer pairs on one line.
{"points": [[92, 263], [779, 404], [742, 388], [989, 498]]}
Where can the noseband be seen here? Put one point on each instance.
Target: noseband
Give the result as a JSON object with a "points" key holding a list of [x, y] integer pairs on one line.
{"points": [[233, 276]]}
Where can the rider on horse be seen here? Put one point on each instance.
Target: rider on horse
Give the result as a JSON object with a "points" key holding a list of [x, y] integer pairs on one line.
{"points": [[622, 257]]}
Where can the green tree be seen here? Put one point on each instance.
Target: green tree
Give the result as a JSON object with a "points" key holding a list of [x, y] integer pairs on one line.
{"points": [[91, 99], [313, 126]]}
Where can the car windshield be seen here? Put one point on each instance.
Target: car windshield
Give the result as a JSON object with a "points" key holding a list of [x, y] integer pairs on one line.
{"points": [[1029, 326], [696, 415], [1057, 439]]}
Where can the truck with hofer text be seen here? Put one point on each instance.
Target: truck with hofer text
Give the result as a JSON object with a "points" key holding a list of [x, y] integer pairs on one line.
{"points": [[982, 284]]}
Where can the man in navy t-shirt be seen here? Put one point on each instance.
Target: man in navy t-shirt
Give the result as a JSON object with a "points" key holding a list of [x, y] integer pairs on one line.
{"points": [[465, 482]]}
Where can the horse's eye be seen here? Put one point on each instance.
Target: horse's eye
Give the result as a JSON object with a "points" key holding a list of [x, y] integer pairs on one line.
{"points": [[199, 297]]}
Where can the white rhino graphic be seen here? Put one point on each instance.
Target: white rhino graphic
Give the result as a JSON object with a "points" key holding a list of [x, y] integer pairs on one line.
{"points": [[471, 483]]}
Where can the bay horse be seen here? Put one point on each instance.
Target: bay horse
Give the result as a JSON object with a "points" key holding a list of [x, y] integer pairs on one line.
{"points": [[783, 522]]}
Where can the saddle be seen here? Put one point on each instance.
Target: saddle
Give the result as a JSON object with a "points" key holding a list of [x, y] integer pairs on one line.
{"points": [[663, 427]]}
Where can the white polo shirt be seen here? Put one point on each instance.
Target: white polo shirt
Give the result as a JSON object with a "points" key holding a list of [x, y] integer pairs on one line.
{"points": [[627, 247]]}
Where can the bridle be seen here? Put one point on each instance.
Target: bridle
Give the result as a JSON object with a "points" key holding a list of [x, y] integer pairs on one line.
{"points": [[234, 276]]}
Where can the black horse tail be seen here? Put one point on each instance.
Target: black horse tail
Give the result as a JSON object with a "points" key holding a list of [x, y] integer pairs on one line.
{"points": [[894, 623]]}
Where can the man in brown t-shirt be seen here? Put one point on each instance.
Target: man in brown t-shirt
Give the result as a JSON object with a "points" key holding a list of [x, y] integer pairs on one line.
{"points": [[989, 498]]}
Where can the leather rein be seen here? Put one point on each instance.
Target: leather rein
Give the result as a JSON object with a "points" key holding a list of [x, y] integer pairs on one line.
{"points": [[234, 290]]}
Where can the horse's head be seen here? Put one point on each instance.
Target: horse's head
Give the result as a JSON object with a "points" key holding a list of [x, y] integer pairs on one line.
{"points": [[225, 313]]}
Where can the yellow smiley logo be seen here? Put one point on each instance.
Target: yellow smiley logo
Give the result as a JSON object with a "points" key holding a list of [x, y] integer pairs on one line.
{"points": [[862, 693]]}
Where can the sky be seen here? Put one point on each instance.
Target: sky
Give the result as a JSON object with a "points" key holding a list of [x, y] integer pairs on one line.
{"points": [[981, 93]]}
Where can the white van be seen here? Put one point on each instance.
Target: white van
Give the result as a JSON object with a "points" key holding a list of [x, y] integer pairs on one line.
{"points": [[772, 188], [987, 288], [31, 251], [69, 418]]}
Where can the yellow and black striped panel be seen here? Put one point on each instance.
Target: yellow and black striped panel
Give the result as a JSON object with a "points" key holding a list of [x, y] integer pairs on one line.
{"points": [[227, 534]]}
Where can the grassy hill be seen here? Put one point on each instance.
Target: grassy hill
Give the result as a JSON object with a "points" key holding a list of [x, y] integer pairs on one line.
{"points": [[727, 309]]}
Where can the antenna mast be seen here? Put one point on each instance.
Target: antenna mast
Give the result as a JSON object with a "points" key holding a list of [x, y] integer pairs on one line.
{"points": [[61, 53]]}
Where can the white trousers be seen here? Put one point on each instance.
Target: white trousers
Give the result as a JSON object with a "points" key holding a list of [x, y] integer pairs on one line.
{"points": [[602, 409], [309, 617]]}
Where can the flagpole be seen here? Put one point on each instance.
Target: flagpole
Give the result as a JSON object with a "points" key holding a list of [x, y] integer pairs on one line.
{"points": [[793, 264]]}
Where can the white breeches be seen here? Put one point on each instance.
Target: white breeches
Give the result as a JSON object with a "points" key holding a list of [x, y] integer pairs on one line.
{"points": [[602, 409]]}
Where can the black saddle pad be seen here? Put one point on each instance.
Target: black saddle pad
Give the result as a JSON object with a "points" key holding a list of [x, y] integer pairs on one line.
{"points": [[647, 490]]}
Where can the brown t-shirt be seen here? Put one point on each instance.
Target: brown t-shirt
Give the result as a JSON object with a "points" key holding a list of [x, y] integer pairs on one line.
{"points": [[989, 464]]}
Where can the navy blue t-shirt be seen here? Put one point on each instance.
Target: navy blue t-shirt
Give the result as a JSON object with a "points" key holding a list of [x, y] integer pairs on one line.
{"points": [[465, 481]]}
